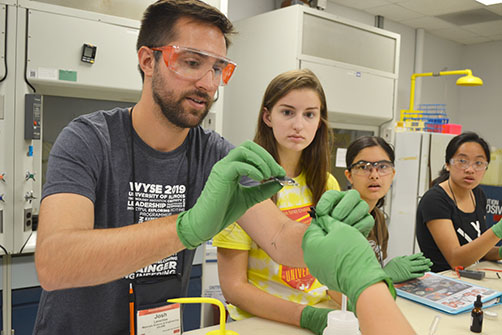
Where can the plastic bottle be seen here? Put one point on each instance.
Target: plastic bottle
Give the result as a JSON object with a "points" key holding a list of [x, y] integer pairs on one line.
{"points": [[342, 323], [477, 316]]}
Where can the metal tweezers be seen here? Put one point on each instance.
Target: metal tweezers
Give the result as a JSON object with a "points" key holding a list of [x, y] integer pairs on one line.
{"points": [[284, 181]]}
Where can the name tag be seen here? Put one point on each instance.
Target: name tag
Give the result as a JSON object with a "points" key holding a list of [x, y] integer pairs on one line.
{"points": [[163, 320]]}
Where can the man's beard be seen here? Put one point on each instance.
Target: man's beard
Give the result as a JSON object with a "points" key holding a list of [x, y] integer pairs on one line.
{"points": [[173, 110]]}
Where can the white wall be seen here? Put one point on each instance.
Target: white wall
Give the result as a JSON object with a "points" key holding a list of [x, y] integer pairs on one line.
{"points": [[406, 62], [241, 9], [481, 107], [442, 55]]}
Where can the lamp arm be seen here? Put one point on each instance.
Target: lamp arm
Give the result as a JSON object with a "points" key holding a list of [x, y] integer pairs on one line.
{"points": [[456, 72], [432, 74]]}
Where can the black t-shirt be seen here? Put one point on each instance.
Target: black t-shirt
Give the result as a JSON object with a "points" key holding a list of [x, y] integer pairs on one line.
{"points": [[436, 205]]}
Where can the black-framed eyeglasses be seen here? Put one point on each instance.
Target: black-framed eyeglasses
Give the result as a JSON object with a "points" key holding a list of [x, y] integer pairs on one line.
{"points": [[465, 164], [364, 168]]}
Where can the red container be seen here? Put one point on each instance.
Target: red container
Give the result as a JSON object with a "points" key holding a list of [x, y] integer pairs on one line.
{"points": [[452, 128]]}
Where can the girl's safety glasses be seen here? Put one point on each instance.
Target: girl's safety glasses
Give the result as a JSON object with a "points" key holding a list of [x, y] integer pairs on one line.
{"points": [[194, 64], [364, 168], [465, 164]]}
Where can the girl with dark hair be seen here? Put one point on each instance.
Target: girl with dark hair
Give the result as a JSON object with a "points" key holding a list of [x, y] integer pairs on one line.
{"points": [[293, 128], [370, 170], [451, 228]]}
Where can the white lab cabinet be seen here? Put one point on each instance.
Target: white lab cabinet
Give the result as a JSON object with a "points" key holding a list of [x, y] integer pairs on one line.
{"points": [[419, 158], [48, 42], [8, 12], [41, 49], [357, 65], [54, 50]]}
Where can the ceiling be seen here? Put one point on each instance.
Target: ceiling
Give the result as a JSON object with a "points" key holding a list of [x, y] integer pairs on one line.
{"points": [[462, 21]]}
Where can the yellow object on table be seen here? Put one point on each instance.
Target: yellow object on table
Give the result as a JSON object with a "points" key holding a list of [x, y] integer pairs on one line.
{"points": [[221, 330]]}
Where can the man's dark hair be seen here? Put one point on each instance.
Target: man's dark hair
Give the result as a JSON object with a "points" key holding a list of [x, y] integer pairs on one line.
{"points": [[160, 17]]}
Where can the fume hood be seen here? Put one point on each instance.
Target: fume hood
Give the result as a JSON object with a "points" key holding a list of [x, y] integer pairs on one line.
{"points": [[59, 63], [357, 65]]}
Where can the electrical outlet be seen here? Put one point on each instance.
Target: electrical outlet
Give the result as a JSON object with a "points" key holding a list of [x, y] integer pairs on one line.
{"points": [[28, 219], [210, 121], [387, 134]]}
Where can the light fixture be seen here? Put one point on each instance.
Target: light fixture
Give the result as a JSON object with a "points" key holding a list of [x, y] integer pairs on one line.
{"points": [[467, 80], [489, 2]]}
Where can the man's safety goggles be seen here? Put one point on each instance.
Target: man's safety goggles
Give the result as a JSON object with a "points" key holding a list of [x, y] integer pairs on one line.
{"points": [[195, 64]]}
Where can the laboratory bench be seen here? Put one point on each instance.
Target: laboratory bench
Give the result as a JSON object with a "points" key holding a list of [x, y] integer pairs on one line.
{"points": [[419, 316]]}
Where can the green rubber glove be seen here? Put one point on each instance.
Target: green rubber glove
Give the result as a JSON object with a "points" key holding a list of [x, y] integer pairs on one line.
{"points": [[223, 199], [404, 268], [314, 319], [497, 229], [342, 258], [347, 207]]}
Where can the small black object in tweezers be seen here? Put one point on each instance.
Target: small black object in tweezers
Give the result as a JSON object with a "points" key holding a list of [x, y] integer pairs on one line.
{"points": [[312, 212]]}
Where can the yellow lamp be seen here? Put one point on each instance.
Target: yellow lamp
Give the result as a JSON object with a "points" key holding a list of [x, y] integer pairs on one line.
{"points": [[467, 80], [222, 330]]}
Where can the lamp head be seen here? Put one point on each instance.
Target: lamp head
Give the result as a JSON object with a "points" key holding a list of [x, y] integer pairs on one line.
{"points": [[469, 80]]}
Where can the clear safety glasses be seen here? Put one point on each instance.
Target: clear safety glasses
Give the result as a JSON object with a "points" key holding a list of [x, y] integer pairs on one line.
{"points": [[195, 64], [364, 168], [464, 164]]}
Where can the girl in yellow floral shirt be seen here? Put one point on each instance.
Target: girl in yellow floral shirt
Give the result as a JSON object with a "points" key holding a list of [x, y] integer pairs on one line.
{"points": [[293, 127]]}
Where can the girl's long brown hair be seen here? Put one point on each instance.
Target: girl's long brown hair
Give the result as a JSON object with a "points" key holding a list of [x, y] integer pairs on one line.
{"points": [[315, 159]]}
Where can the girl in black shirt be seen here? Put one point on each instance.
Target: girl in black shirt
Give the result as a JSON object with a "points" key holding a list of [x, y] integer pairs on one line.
{"points": [[451, 228]]}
